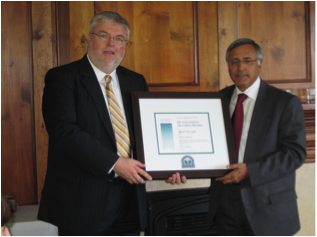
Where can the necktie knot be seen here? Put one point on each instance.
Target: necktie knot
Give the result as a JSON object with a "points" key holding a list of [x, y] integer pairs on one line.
{"points": [[108, 79], [241, 98]]}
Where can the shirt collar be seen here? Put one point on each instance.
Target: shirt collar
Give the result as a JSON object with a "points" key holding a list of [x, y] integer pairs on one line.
{"points": [[251, 92], [101, 75]]}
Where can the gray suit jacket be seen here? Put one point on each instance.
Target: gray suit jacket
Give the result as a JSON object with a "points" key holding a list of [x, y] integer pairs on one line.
{"points": [[276, 147]]}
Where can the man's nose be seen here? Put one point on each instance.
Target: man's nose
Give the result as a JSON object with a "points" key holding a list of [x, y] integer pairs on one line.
{"points": [[110, 41], [241, 65]]}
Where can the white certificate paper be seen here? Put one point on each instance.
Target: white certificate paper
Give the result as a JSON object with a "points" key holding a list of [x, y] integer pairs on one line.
{"points": [[183, 134]]}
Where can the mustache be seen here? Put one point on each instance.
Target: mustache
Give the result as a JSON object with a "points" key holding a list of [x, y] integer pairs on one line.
{"points": [[242, 73]]}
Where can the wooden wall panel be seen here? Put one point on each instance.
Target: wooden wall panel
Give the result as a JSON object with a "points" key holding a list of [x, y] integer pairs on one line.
{"points": [[208, 46], [310, 109], [161, 44], [178, 46], [207, 56], [80, 14], [62, 29], [264, 22], [18, 175], [299, 86], [101, 6], [44, 58], [286, 33], [227, 33], [312, 38], [164, 43]]}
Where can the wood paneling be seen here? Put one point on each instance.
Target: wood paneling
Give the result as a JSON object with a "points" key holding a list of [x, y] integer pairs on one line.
{"points": [[80, 14], [162, 41], [18, 175], [207, 57], [263, 22], [45, 58], [177, 46], [312, 38], [208, 46], [101, 6], [168, 47], [300, 88], [276, 27], [227, 33], [62, 32]]}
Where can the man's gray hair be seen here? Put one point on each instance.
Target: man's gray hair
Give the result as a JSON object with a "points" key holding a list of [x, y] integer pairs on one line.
{"points": [[244, 41], [109, 16]]}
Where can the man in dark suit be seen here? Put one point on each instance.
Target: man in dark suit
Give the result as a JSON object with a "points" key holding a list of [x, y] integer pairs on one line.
{"points": [[258, 196], [92, 185]]}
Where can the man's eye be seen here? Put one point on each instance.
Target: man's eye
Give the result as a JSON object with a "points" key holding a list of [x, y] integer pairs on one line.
{"points": [[119, 39], [104, 36], [248, 60]]}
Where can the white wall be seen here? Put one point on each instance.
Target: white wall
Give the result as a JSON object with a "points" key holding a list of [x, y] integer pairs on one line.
{"points": [[305, 188]]}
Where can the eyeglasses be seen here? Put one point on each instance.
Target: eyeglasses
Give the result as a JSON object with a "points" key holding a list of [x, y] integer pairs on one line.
{"points": [[246, 61], [106, 37]]}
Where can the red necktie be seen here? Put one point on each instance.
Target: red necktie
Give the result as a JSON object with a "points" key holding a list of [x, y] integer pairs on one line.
{"points": [[237, 122]]}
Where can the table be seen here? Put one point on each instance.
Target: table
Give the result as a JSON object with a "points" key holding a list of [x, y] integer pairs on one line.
{"points": [[24, 222]]}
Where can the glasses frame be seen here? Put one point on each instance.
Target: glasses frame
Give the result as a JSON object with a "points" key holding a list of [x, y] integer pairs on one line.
{"points": [[245, 61], [114, 40]]}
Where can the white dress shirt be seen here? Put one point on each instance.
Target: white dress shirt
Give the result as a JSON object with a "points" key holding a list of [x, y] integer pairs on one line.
{"points": [[116, 89], [114, 83], [248, 107]]}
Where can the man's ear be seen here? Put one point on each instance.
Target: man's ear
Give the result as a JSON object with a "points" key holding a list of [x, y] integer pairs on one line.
{"points": [[260, 66]]}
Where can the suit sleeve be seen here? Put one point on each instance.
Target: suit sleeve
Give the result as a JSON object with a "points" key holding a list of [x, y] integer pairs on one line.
{"points": [[69, 143], [285, 154]]}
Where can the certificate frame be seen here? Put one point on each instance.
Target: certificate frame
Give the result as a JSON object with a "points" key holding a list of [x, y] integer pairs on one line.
{"points": [[179, 131]]}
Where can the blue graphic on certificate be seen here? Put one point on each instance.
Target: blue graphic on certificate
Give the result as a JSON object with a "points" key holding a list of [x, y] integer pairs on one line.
{"points": [[167, 136]]}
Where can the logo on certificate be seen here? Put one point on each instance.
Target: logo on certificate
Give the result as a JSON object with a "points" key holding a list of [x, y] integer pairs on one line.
{"points": [[188, 162]]}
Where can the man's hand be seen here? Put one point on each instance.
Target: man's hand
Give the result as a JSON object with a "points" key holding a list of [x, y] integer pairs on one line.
{"points": [[130, 170], [239, 173], [176, 179]]}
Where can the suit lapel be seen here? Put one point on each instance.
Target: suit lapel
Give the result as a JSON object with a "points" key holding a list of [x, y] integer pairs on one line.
{"points": [[90, 81], [229, 91], [125, 88], [259, 123]]}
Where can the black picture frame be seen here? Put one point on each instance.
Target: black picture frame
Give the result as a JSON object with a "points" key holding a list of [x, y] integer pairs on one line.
{"points": [[141, 111]]}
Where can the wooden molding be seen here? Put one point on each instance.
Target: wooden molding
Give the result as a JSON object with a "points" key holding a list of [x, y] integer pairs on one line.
{"points": [[63, 31], [196, 56]]}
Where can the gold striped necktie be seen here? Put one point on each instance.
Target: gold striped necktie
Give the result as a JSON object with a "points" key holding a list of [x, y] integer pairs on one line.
{"points": [[118, 123]]}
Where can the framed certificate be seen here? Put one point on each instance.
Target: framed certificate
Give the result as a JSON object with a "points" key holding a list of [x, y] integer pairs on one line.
{"points": [[185, 132]]}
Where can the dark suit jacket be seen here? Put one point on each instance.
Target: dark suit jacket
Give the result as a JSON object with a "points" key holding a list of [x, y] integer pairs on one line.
{"points": [[82, 146], [276, 147]]}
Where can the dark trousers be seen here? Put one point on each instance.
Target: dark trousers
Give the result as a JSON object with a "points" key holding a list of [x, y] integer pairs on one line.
{"points": [[121, 216], [231, 219]]}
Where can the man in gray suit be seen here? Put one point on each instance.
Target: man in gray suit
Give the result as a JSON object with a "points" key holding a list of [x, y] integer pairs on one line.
{"points": [[258, 196]]}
